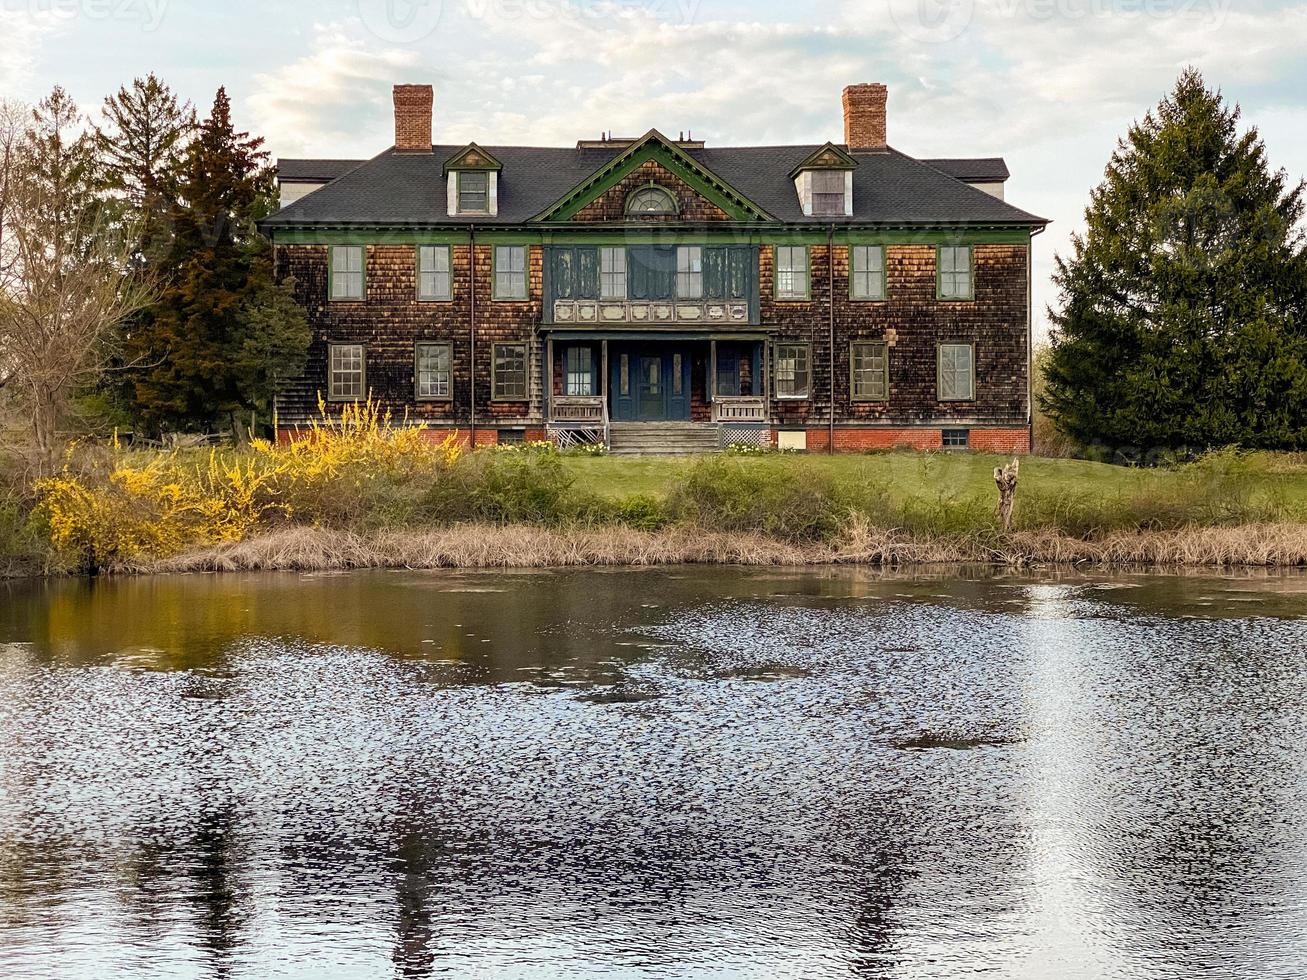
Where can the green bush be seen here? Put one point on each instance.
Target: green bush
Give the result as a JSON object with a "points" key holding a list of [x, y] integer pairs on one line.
{"points": [[523, 487], [792, 501]]}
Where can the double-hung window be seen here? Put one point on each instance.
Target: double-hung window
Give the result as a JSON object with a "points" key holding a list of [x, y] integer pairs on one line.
{"points": [[432, 372], [868, 272], [689, 272], [509, 372], [580, 371], [434, 279], [955, 272], [793, 371], [473, 192], [346, 373], [612, 272], [347, 272], [510, 272], [791, 272], [869, 361], [828, 192], [957, 372]]}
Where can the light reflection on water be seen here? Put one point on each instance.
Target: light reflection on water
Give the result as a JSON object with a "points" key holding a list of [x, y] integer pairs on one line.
{"points": [[702, 773]]}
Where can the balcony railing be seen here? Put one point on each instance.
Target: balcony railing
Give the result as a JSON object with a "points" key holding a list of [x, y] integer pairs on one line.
{"points": [[588, 312], [739, 408]]}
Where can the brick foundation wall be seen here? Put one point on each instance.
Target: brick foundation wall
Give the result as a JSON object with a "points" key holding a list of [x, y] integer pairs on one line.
{"points": [[852, 439]]}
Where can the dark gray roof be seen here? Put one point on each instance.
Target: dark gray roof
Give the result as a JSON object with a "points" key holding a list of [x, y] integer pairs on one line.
{"points": [[408, 189], [312, 170], [978, 170]]}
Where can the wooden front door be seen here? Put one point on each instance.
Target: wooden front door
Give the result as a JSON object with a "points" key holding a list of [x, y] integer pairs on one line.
{"points": [[650, 384]]}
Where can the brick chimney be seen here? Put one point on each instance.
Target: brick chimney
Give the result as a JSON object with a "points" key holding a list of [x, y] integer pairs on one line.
{"points": [[864, 116], [413, 105]]}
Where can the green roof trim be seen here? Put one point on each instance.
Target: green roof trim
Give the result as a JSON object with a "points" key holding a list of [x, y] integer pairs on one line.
{"points": [[828, 157], [654, 146], [472, 157]]}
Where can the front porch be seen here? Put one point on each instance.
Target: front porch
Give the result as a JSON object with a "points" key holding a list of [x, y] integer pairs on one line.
{"points": [[677, 392]]}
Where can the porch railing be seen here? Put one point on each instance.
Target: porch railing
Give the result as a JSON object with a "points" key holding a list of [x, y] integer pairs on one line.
{"points": [[739, 408], [576, 419]]}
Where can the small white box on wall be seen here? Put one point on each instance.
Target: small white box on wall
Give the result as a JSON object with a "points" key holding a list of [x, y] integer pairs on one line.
{"points": [[792, 442]]}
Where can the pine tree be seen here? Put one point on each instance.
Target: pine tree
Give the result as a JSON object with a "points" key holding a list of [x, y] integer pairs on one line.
{"points": [[1183, 316], [141, 147], [224, 329]]}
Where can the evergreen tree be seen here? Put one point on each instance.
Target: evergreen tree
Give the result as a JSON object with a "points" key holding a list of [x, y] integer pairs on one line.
{"points": [[1183, 317], [141, 147], [224, 329]]}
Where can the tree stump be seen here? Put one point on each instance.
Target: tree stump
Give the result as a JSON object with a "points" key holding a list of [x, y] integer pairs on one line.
{"points": [[1006, 478]]}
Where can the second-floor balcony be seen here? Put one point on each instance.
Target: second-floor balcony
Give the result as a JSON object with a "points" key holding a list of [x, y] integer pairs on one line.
{"points": [[586, 312]]}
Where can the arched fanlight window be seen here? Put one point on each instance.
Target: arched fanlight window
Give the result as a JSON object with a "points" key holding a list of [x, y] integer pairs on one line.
{"points": [[651, 199]]}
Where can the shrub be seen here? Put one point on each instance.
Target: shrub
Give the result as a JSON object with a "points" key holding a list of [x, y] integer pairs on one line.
{"points": [[794, 502], [527, 486]]}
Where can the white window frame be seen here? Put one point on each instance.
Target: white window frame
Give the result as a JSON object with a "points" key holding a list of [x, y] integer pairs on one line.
{"points": [[345, 363], [793, 363], [689, 272], [867, 351], [348, 273], [952, 372], [440, 386], [510, 273], [612, 272], [435, 274], [792, 272], [867, 273]]}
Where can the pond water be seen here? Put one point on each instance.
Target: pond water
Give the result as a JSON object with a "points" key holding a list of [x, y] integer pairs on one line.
{"points": [[707, 772]]}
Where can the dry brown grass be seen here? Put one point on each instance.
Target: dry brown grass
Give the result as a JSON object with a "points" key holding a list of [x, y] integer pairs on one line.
{"points": [[478, 546]]}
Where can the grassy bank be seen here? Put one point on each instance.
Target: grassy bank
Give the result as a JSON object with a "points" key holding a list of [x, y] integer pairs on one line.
{"points": [[361, 495]]}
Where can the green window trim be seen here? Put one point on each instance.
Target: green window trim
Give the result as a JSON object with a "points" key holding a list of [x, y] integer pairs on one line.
{"points": [[792, 382], [868, 350], [474, 193], [970, 293], [501, 376], [940, 358], [448, 350], [498, 254], [793, 296], [855, 250], [447, 273], [362, 273], [353, 360]]}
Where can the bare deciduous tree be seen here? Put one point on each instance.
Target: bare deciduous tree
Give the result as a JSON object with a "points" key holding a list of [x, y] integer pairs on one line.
{"points": [[65, 279]]}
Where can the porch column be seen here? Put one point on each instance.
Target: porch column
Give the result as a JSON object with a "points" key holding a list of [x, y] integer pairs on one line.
{"points": [[712, 372], [603, 368], [549, 379]]}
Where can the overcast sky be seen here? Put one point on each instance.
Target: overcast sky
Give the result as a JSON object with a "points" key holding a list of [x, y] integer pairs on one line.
{"points": [[1047, 84]]}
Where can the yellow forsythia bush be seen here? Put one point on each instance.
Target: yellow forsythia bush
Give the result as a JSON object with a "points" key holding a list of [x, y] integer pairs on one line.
{"points": [[172, 502]]}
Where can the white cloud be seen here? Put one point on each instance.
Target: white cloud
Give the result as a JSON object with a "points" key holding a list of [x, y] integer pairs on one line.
{"points": [[23, 31], [335, 101]]}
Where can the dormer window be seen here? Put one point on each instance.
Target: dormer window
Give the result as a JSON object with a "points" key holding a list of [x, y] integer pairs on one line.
{"points": [[473, 178], [824, 183], [473, 192], [651, 200], [828, 192]]}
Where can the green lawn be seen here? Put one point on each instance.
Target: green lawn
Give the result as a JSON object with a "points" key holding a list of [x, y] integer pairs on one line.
{"points": [[1280, 480]]}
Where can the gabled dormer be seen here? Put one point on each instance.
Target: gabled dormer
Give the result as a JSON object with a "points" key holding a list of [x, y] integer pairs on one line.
{"points": [[472, 179], [824, 182]]}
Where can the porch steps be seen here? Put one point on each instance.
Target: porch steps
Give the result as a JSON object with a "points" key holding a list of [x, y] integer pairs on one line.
{"points": [[662, 439]]}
